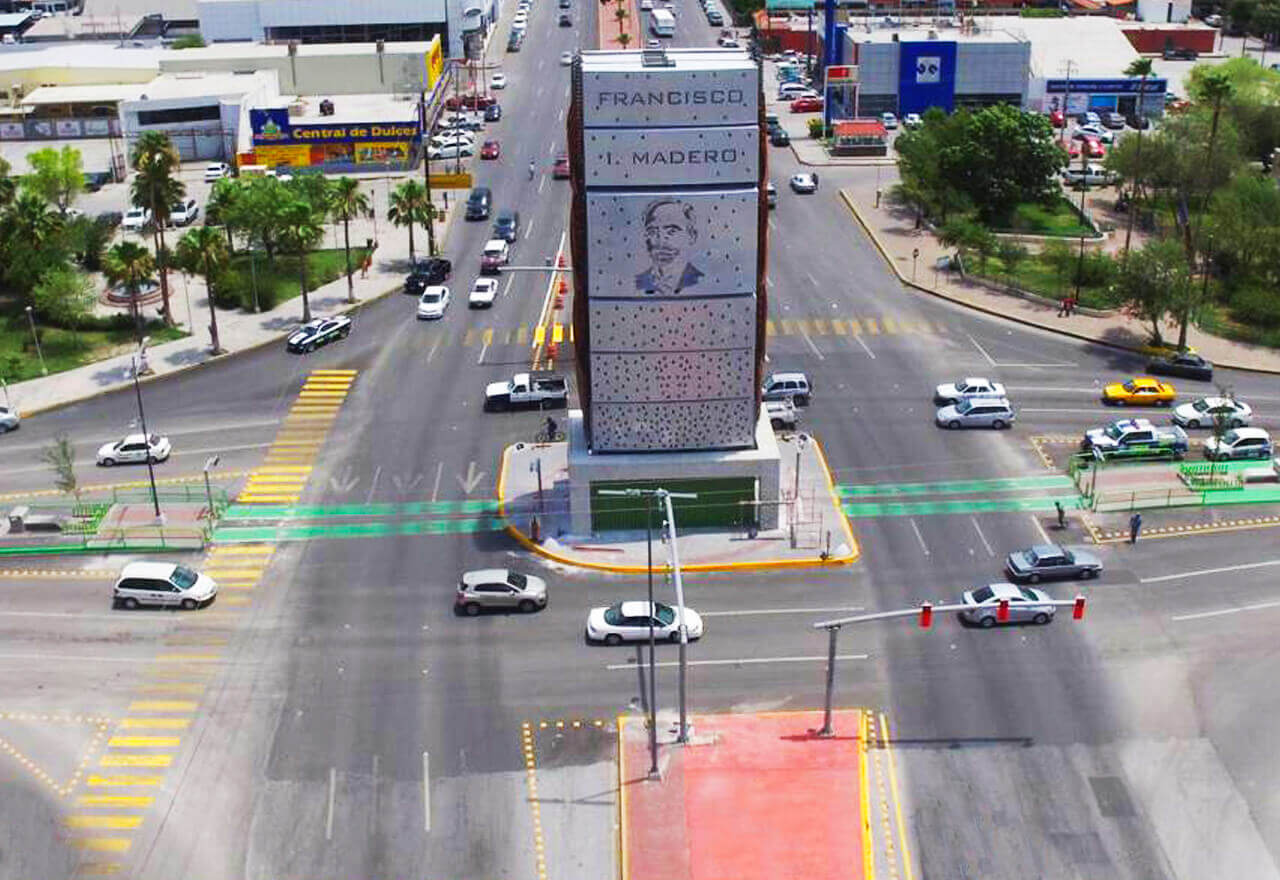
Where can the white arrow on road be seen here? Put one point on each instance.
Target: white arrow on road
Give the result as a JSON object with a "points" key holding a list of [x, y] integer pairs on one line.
{"points": [[345, 483], [406, 485], [473, 479]]}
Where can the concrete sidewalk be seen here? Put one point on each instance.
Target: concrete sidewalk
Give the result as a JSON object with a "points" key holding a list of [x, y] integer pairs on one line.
{"points": [[238, 330]]}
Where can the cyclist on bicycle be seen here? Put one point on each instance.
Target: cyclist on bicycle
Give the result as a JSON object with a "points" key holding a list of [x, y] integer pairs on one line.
{"points": [[551, 428]]}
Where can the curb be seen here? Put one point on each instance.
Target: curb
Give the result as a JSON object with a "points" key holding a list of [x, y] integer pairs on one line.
{"points": [[884, 253], [763, 565]]}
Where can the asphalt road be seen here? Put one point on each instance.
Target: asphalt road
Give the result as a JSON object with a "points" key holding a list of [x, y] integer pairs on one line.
{"points": [[361, 729]]}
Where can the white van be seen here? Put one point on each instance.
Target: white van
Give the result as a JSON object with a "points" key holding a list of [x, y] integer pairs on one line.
{"points": [[163, 583]]}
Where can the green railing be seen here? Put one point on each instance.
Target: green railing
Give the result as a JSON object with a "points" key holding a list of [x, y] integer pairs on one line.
{"points": [[1211, 476]]}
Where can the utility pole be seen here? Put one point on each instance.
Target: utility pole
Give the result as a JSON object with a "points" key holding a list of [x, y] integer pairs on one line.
{"points": [[146, 438], [426, 169], [1066, 101]]}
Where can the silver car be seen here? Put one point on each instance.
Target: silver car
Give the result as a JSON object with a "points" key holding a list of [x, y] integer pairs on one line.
{"points": [[1025, 605], [9, 420], [1046, 561], [977, 413], [494, 588]]}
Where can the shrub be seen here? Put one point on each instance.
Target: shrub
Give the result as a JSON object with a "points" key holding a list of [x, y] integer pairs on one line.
{"points": [[816, 129], [189, 41], [1256, 305]]}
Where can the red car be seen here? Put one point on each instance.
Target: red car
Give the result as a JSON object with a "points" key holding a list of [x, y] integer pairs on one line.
{"points": [[1057, 118], [1093, 148], [490, 150], [806, 105], [561, 169], [469, 102], [1073, 149]]}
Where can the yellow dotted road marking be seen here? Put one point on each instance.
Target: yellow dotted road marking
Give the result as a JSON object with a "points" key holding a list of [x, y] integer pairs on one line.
{"points": [[68, 574], [535, 804]]}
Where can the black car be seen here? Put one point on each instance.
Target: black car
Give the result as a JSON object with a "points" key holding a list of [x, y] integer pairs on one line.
{"points": [[513, 42], [565, 20], [1174, 53], [1186, 364], [1137, 121], [425, 273], [507, 225], [318, 332], [779, 137], [493, 113], [479, 203], [96, 180]]}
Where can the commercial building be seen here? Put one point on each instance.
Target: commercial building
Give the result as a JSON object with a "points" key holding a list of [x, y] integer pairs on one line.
{"points": [[204, 114], [349, 133], [342, 21]]}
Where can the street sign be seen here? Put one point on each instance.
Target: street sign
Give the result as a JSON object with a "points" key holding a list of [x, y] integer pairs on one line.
{"points": [[451, 181], [842, 74]]}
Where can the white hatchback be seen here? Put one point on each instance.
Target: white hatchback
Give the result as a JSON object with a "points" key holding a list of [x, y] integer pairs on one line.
{"points": [[216, 171], [134, 449]]}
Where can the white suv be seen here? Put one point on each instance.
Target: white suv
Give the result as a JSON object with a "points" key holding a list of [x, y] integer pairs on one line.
{"points": [[787, 386]]}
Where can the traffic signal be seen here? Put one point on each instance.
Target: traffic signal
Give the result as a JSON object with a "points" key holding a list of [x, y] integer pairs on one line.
{"points": [[1002, 611], [1077, 610], [926, 615]]}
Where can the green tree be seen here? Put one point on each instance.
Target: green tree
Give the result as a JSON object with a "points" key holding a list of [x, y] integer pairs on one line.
{"points": [[130, 265], [61, 456], [1002, 156], [1152, 281], [1244, 222], [924, 184], [8, 185], [408, 207], [203, 251], [300, 231], [57, 176], [1012, 255], [65, 295], [156, 187], [1139, 67], [220, 209], [259, 212], [31, 241], [348, 203]]}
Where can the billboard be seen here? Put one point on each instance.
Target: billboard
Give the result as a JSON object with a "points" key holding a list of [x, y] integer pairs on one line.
{"points": [[671, 243], [272, 126], [667, 163], [926, 76]]}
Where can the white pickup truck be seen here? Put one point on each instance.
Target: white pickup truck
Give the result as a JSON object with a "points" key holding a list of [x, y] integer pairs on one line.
{"points": [[527, 389]]}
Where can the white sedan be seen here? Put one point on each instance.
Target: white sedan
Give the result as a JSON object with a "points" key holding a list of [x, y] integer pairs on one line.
{"points": [[1096, 130], [135, 219], [1208, 411], [483, 293], [566, 58], [216, 171], [629, 622], [134, 449], [433, 302], [499, 81], [451, 150], [804, 183]]}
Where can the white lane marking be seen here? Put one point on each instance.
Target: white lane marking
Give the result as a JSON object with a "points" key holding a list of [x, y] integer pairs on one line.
{"points": [[744, 661], [985, 543], [812, 280], [982, 351], [333, 793], [1245, 566], [98, 658], [435, 490], [179, 432], [748, 612], [1062, 389], [1257, 606], [1039, 528], [772, 225], [813, 347], [426, 791], [1024, 409], [542, 181], [919, 537], [164, 617], [431, 354], [865, 347], [483, 350], [507, 289], [528, 231]]}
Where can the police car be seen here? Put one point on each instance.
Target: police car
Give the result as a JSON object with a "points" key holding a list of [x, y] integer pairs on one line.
{"points": [[318, 332]]}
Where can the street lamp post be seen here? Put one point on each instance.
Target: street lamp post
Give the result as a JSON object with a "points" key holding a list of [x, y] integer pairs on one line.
{"points": [[210, 463], [146, 438], [44, 371]]}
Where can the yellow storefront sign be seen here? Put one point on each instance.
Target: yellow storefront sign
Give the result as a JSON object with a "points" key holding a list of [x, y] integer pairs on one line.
{"points": [[434, 60], [451, 181], [291, 156]]}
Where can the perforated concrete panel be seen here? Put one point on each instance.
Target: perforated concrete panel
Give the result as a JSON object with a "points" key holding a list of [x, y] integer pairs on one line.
{"points": [[673, 324], [672, 156], [649, 427], [677, 376]]}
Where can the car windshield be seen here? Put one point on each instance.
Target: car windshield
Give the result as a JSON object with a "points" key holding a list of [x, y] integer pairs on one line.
{"points": [[613, 615], [982, 594], [1030, 557], [183, 577], [1130, 386], [1114, 432], [154, 439], [1201, 405], [517, 580], [964, 406], [1230, 437], [431, 297]]}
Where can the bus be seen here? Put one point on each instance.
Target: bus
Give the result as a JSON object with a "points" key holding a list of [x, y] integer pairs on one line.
{"points": [[662, 23]]}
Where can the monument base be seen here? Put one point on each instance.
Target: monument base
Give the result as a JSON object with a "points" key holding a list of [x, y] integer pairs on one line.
{"points": [[734, 487]]}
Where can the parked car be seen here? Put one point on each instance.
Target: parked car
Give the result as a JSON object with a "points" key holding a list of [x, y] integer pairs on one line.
{"points": [[1112, 119], [434, 270], [490, 150], [560, 170], [499, 588], [1209, 411], [163, 583], [781, 413], [912, 120], [1239, 443], [779, 137], [318, 332], [1092, 174], [495, 255], [804, 183], [134, 449], [216, 171], [469, 102], [9, 420], [1179, 53], [184, 213], [806, 105], [483, 292], [889, 120], [507, 225], [1186, 364], [566, 20], [1138, 121], [1057, 119], [630, 622], [787, 386], [96, 180], [566, 58], [771, 194], [479, 202], [979, 412], [458, 149], [1051, 561], [493, 113], [1088, 117], [1094, 149], [135, 219], [1101, 132], [1026, 604], [451, 136]]}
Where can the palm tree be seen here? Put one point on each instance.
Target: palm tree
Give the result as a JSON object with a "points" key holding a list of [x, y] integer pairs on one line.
{"points": [[408, 206], [155, 187], [220, 210], [203, 250], [28, 229], [1138, 67], [348, 202], [300, 230], [130, 264]]}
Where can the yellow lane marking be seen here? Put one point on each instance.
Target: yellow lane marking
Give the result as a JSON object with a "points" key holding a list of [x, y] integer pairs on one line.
{"points": [[114, 800], [114, 823], [890, 325], [123, 780], [820, 327], [187, 658], [102, 844], [770, 329], [557, 333], [886, 744], [177, 687], [521, 334], [135, 761], [144, 742], [539, 335], [71, 574], [231, 573], [487, 336], [163, 706], [839, 327], [244, 550], [155, 724], [470, 337], [788, 326], [872, 328], [236, 600]]}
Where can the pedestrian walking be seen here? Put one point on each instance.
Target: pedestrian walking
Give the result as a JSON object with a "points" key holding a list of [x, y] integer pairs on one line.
{"points": [[1062, 515], [1062, 307], [1071, 305], [1135, 526], [364, 267]]}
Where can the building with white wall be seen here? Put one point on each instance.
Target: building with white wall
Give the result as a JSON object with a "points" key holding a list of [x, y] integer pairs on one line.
{"points": [[206, 115], [1164, 11]]}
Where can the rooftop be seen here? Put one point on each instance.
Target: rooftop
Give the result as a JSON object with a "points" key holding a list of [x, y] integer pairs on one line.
{"points": [[353, 109], [186, 85], [684, 59], [46, 95], [251, 51], [80, 56]]}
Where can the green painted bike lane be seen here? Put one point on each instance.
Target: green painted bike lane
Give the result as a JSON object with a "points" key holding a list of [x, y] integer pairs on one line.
{"points": [[309, 532], [253, 523], [1033, 493], [960, 487]]}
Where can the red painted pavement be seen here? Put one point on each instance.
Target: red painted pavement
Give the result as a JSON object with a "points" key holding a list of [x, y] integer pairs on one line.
{"points": [[755, 796]]}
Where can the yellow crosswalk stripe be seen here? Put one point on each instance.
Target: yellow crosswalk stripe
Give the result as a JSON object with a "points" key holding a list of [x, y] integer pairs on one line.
{"points": [[487, 336], [266, 499], [557, 333], [144, 742], [187, 658], [521, 333], [470, 337], [123, 780], [838, 327], [163, 706], [244, 550], [333, 372], [155, 723], [872, 328], [235, 600], [820, 327], [98, 869], [890, 325], [539, 334], [218, 573], [321, 393], [115, 800], [177, 687], [855, 327], [102, 844], [788, 326], [298, 469], [770, 329], [570, 326], [114, 823], [117, 760]]}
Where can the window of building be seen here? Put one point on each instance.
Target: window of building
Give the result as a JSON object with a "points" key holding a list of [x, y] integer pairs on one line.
{"points": [[208, 112], [359, 33]]}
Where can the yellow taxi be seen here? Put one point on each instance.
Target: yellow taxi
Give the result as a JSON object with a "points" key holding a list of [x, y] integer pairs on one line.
{"points": [[1139, 391]]}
